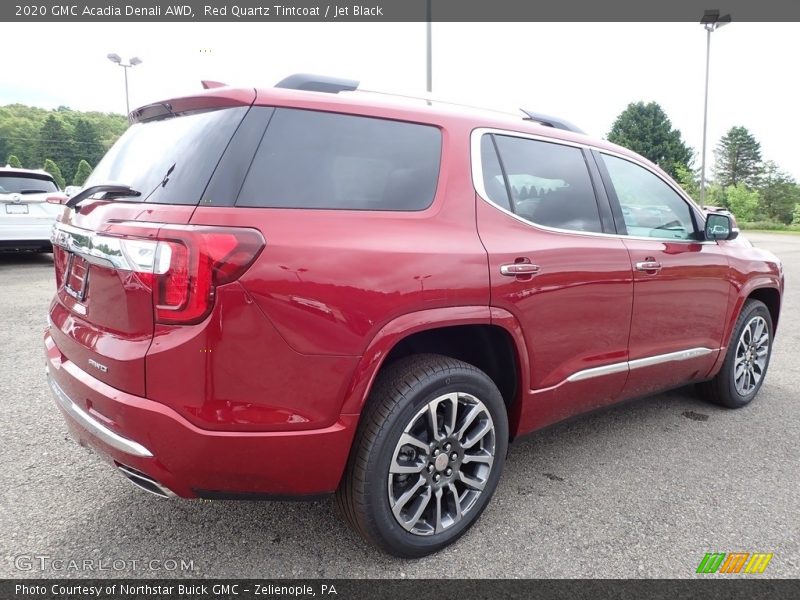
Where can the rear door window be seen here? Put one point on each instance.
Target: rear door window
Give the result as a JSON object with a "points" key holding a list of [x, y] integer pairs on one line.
{"points": [[494, 182], [547, 184], [169, 160], [311, 159]]}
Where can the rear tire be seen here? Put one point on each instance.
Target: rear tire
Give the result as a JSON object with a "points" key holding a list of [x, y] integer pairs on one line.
{"points": [[427, 455], [746, 361]]}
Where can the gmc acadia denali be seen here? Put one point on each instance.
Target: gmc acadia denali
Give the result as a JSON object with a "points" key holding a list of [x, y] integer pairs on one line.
{"points": [[311, 289]]}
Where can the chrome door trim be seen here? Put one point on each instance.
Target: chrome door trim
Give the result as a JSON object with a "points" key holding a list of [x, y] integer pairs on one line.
{"points": [[112, 438], [648, 265], [518, 269], [640, 363], [669, 357], [599, 371], [477, 183]]}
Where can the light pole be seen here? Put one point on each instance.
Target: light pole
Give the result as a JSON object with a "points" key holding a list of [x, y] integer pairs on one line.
{"points": [[429, 51], [711, 21], [115, 58]]}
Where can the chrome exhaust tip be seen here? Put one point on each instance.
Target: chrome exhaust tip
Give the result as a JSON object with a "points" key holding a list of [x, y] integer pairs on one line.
{"points": [[145, 482]]}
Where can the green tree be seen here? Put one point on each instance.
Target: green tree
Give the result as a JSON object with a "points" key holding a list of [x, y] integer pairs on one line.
{"points": [[81, 173], [55, 142], [52, 168], [779, 193], [13, 161], [688, 181], [87, 143], [742, 202], [738, 159], [796, 214], [715, 196], [21, 134], [646, 129]]}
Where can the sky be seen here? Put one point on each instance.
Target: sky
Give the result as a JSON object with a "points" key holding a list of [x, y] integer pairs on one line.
{"points": [[586, 73]]}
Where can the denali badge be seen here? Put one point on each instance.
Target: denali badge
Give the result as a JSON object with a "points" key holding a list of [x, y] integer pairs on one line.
{"points": [[99, 366]]}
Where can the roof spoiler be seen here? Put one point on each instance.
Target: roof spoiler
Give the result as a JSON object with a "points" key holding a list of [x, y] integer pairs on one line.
{"points": [[551, 121], [317, 83]]}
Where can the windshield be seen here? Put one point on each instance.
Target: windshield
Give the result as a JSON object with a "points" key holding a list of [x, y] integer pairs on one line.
{"points": [[169, 161], [20, 184]]}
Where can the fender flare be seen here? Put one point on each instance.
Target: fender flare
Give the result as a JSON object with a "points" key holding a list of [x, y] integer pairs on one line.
{"points": [[408, 324], [757, 283]]}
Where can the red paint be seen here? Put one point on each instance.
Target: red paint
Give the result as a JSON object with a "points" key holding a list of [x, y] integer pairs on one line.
{"points": [[263, 394], [682, 306]]}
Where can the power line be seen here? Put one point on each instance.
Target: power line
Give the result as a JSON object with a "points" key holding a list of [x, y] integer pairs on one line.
{"points": [[40, 140]]}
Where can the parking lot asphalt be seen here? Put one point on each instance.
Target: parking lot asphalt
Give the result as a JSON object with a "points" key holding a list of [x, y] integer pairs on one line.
{"points": [[644, 489]]}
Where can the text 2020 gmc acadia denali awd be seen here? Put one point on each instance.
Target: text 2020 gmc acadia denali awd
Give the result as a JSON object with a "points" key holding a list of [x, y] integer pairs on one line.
{"points": [[294, 291]]}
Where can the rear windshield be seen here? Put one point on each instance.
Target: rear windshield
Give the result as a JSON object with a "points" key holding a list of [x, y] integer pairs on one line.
{"points": [[311, 159], [169, 161], [20, 184]]}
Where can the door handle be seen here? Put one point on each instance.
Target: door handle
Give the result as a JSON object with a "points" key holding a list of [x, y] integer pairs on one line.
{"points": [[648, 265], [515, 269]]}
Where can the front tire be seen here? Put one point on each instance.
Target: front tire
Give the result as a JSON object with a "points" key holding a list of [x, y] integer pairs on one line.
{"points": [[427, 456], [746, 361]]}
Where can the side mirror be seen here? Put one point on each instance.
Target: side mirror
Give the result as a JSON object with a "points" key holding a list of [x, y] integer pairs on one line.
{"points": [[720, 226], [57, 198]]}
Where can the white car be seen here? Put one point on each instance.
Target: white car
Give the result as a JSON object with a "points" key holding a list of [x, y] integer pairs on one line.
{"points": [[26, 218]]}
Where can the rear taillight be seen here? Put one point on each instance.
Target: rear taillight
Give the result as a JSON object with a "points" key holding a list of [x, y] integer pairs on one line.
{"points": [[191, 262], [181, 264]]}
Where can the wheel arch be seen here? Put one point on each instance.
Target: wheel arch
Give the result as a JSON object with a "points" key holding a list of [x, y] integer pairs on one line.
{"points": [[768, 291], [498, 349], [772, 298]]}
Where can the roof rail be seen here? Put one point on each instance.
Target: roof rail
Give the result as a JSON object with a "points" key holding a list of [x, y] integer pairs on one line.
{"points": [[317, 83], [551, 121]]}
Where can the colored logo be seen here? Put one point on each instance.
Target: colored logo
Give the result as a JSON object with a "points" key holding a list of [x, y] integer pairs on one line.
{"points": [[734, 562]]}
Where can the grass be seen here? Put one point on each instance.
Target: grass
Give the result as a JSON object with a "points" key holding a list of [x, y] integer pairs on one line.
{"points": [[777, 231], [769, 227]]}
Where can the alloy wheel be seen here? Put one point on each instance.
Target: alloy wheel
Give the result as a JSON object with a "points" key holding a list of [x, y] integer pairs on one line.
{"points": [[752, 352], [441, 463]]}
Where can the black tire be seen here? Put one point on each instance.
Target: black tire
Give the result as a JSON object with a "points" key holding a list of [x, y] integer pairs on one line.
{"points": [[401, 392], [722, 389]]}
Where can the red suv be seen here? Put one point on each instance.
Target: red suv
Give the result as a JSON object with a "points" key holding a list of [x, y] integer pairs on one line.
{"points": [[311, 289]]}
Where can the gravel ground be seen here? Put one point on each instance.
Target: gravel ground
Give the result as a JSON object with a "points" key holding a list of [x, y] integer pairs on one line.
{"points": [[644, 489]]}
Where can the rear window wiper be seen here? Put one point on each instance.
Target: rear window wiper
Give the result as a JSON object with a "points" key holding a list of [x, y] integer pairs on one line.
{"points": [[110, 189], [33, 191]]}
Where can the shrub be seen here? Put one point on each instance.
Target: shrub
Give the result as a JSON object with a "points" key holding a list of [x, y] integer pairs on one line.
{"points": [[52, 168], [742, 202]]}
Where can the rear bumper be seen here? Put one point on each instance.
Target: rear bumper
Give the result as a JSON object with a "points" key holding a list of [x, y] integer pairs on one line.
{"points": [[149, 439], [31, 244], [33, 230]]}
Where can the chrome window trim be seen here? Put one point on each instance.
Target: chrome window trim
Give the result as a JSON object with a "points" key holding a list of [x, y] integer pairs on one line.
{"points": [[639, 363], [693, 208], [94, 427], [477, 183]]}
